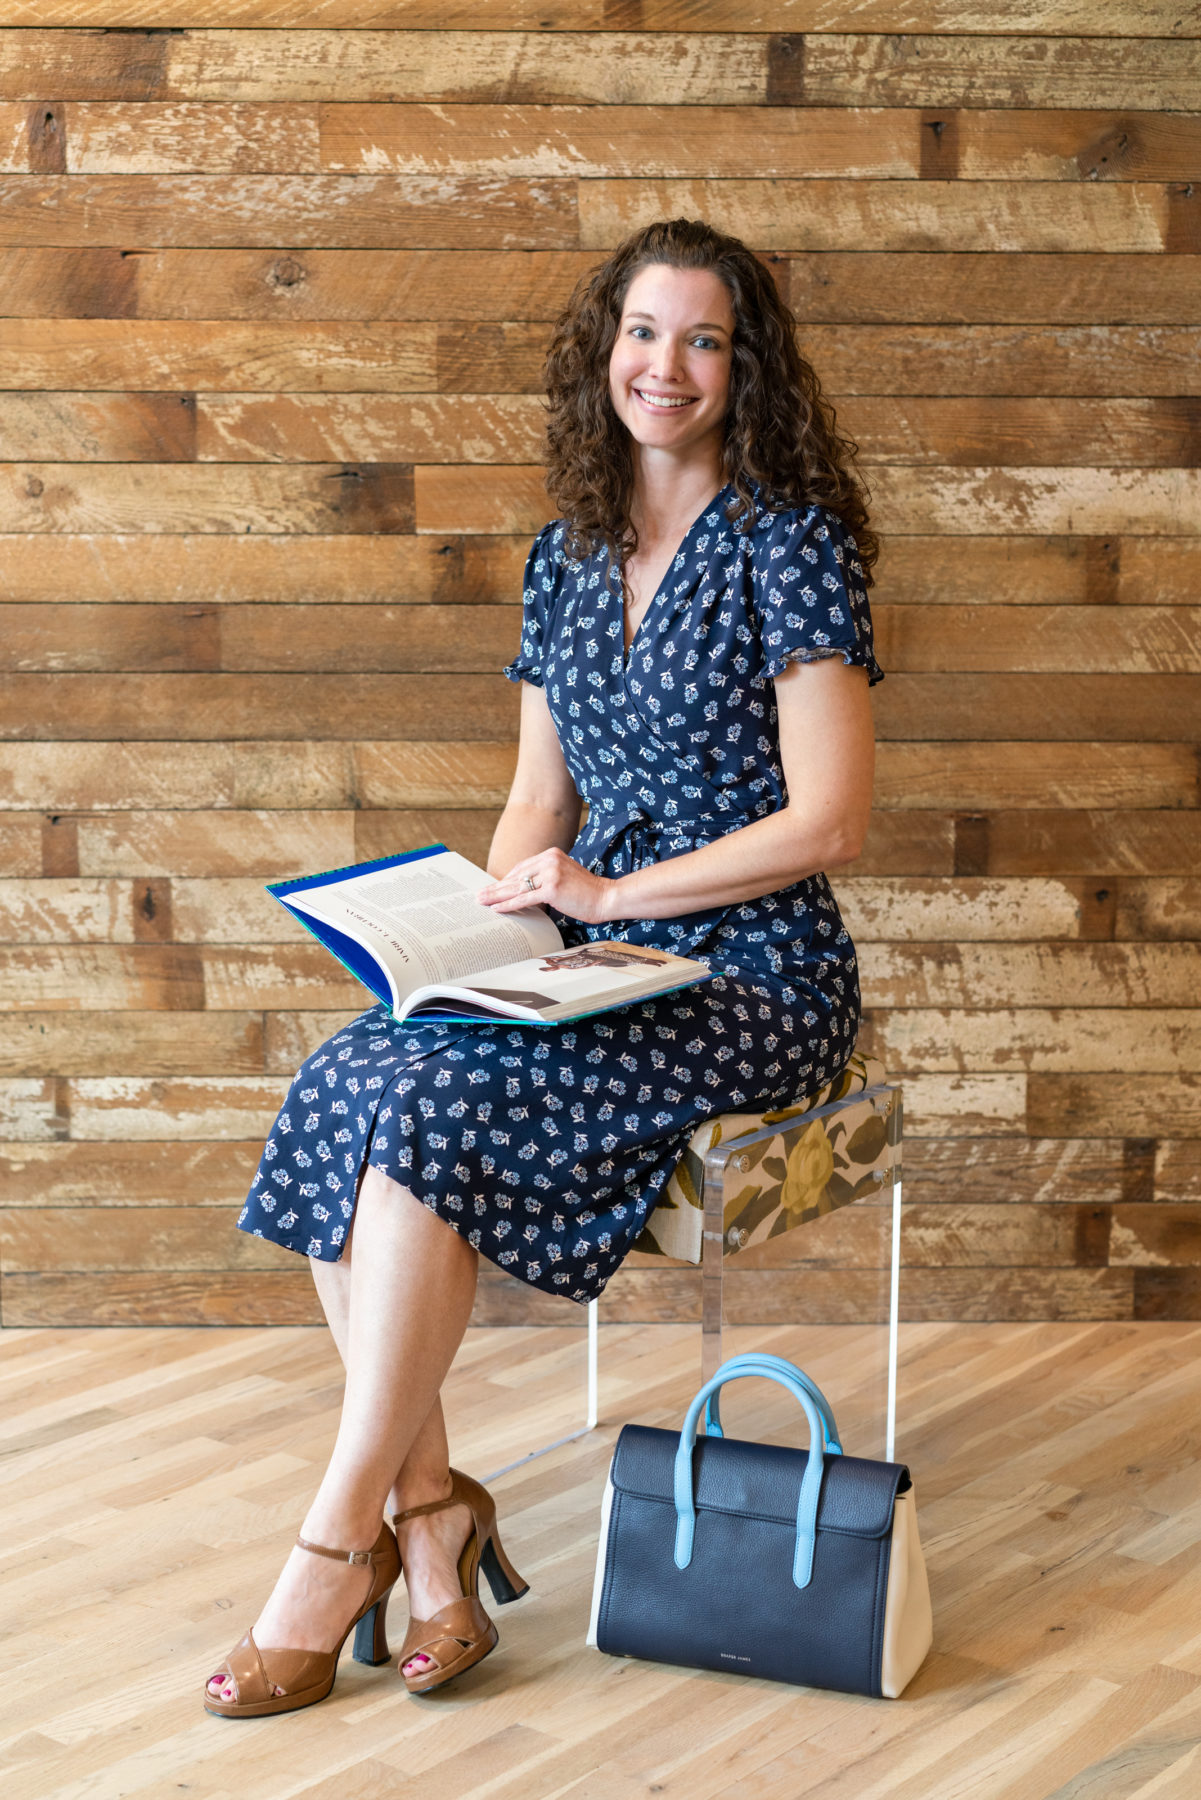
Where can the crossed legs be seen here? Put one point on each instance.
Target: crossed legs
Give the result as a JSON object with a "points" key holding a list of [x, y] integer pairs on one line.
{"points": [[398, 1307]]}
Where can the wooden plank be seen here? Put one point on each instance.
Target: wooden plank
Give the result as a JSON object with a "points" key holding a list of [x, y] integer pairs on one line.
{"points": [[132, 137], [230, 910], [110, 1108], [83, 427], [40, 912], [272, 284], [150, 1043], [181, 978], [1178, 1169], [941, 69], [260, 571], [61, 1239], [102, 977], [271, 845], [1070, 144], [1089, 843], [966, 287], [114, 1239], [373, 640], [170, 497], [981, 776], [497, 497], [868, 287], [1059, 1040], [1116, 1105], [323, 428], [72, 777], [902, 68], [873, 214], [362, 210], [324, 639], [505, 357], [299, 707], [964, 907], [293, 1036], [128, 1174], [304, 974], [385, 833], [262, 1296], [1099, 639], [122, 353], [1030, 432], [434, 774], [33, 1110], [278, 353], [982, 1171], [1017, 707], [1052, 18], [1039, 975], [348, 64], [1155, 1236], [828, 1297], [1158, 909], [20, 846], [97, 427], [588, 142], [662, 141]]}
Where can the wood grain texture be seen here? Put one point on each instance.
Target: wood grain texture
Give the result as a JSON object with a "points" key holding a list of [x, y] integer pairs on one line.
{"points": [[863, 287], [277, 286]]}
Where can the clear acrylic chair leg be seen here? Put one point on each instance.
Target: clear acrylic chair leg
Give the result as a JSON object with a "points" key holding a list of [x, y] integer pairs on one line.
{"points": [[591, 1401]]}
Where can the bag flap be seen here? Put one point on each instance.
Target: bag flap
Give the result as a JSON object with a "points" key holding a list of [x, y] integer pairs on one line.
{"points": [[764, 1480]]}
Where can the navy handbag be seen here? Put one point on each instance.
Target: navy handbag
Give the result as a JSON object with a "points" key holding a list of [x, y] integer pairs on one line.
{"points": [[799, 1566]]}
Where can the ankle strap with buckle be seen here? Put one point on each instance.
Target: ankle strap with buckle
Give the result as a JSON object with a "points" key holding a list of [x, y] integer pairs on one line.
{"points": [[359, 1557]]}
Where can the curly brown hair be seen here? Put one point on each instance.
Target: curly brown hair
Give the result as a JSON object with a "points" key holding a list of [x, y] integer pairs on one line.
{"points": [[780, 437]]}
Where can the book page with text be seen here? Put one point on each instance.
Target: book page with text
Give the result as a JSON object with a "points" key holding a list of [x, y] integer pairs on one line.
{"points": [[423, 923]]}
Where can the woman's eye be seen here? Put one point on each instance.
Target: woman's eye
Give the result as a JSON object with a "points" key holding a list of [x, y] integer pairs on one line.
{"points": [[706, 343]]}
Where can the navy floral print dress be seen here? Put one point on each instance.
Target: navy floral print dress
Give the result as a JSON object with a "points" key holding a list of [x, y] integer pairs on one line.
{"points": [[547, 1147]]}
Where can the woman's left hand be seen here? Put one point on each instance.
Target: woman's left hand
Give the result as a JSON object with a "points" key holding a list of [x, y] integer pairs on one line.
{"points": [[558, 882]]}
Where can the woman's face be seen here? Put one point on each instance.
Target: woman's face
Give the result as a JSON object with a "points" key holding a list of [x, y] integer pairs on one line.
{"points": [[669, 369]]}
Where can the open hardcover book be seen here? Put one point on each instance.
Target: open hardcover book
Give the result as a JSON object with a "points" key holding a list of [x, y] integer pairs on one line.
{"points": [[411, 929]]}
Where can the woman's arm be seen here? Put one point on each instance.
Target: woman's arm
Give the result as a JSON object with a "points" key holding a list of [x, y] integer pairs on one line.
{"points": [[543, 808], [827, 750]]}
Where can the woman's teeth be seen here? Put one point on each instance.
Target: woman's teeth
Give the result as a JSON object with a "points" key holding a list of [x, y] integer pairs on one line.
{"points": [[661, 400]]}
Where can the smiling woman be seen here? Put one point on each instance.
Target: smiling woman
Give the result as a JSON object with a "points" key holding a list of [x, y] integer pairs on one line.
{"points": [[695, 659]]}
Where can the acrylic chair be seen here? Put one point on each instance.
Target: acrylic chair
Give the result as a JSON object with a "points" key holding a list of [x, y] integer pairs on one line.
{"points": [[747, 1178]]}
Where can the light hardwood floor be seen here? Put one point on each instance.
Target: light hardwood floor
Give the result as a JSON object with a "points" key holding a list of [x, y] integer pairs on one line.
{"points": [[152, 1481]]}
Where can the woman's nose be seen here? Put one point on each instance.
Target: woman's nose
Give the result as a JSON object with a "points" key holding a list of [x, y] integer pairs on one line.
{"points": [[667, 364]]}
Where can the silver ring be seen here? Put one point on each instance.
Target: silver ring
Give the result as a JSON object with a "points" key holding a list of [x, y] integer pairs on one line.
{"points": [[530, 883]]}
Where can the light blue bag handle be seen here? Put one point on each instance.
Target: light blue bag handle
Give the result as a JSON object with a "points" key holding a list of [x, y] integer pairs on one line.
{"points": [[788, 1377], [759, 1363]]}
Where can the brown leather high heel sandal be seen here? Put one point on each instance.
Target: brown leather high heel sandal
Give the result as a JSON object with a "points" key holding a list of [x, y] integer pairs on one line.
{"points": [[461, 1634], [307, 1676]]}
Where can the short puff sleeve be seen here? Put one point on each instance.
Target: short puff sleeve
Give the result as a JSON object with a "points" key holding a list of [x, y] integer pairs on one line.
{"points": [[810, 595], [542, 567]]}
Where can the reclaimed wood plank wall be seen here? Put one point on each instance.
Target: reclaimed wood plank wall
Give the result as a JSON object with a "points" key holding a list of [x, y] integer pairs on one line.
{"points": [[275, 280]]}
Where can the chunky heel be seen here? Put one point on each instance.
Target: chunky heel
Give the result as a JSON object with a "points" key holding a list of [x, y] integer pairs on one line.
{"points": [[370, 1635], [503, 1579]]}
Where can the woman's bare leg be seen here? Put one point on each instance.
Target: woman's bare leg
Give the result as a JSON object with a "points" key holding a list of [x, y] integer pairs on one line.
{"points": [[412, 1282], [430, 1546]]}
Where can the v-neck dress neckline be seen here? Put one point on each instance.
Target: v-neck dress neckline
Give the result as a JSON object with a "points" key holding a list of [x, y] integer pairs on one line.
{"points": [[652, 604]]}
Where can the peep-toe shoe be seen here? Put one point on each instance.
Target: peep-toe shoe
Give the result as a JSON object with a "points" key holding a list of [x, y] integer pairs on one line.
{"points": [[306, 1676], [461, 1634]]}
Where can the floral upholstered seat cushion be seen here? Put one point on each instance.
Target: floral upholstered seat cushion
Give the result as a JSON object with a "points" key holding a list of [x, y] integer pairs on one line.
{"points": [[794, 1175]]}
